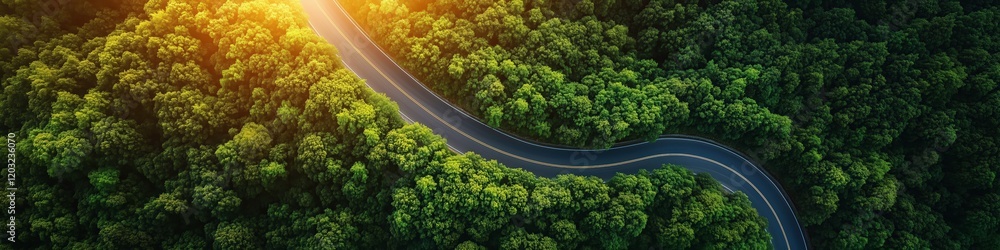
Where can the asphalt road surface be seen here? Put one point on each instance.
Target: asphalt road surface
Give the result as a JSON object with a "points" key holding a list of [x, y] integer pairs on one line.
{"points": [[465, 133]]}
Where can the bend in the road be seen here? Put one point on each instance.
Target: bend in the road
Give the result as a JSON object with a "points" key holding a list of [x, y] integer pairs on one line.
{"points": [[466, 133]]}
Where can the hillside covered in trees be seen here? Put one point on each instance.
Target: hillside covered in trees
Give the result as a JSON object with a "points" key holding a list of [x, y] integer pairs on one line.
{"points": [[182, 124], [880, 117]]}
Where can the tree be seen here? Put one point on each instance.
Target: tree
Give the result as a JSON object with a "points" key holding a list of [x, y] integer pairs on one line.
{"points": [[233, 236]]}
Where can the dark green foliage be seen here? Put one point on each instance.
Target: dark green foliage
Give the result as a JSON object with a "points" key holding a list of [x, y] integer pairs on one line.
{"points": [[181, 124], [879, 117]]}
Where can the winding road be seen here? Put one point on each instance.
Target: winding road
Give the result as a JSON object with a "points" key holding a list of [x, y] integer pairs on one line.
{"points": [[465, 133]]}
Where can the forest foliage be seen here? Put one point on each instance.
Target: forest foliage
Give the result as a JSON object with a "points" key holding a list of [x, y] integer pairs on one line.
{"points": [[879, 117], [182, 124]]}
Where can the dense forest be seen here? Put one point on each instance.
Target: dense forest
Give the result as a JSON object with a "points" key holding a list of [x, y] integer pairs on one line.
{"points": [[879, 117], [182, 124]]}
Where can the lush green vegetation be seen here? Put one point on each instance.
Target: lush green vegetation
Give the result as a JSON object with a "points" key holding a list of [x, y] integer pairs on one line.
{"points": [[880, 117], [183, 124]]}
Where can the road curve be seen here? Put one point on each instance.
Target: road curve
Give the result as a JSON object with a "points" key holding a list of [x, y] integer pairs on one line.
{"points": [[465, 133]]}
